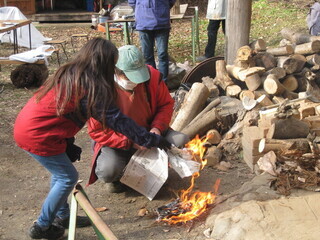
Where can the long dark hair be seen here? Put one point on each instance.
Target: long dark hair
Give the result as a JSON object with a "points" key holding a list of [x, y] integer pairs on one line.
{"points": [[90, 73]]}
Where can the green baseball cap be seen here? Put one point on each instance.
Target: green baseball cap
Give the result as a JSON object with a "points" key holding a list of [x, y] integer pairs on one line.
{"points": [[131, 62]]}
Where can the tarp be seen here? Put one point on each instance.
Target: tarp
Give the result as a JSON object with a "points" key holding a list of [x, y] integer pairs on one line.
{"points": [[13, 13]]}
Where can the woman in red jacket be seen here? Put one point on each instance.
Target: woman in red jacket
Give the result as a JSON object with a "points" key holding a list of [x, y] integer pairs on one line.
{"points": [[144, 97], [80, 89]]}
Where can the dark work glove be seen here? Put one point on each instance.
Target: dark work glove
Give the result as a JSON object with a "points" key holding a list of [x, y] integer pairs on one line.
{"points": [[164, 144], [73, 151]]}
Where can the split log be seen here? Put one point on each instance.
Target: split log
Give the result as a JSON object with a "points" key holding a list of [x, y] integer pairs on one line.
{"points": [[244, 53], [258, 45], [209, 107], [307, 48], [179, 99], [288, 128], [297, 38], [194, 103], [213, 136], [300, 145], [272, 85], [253, 82], [313, 59], [205, 123], [289, 64], [266, 60], [290, 82], [281, 51]]}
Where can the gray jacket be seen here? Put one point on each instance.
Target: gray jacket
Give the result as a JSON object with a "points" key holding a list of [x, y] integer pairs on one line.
{"points": [[217, 9]]}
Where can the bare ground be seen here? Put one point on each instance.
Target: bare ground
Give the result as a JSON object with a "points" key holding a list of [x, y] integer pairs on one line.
{"points": [[24, 183]]}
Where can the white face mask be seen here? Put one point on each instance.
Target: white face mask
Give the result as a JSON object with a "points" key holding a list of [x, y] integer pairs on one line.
{"points": [[124, 83]]}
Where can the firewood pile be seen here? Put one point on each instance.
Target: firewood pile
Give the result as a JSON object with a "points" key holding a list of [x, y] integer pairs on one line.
{"points": [[267, 101]]}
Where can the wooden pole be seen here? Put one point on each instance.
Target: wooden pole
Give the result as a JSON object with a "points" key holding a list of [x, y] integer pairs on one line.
{"points": [[237, 27]]}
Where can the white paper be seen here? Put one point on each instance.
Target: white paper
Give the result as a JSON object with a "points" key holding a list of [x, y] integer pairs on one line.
{"points": [[147, 171]]}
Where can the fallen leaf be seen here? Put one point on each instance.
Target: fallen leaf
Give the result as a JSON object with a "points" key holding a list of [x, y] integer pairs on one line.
{"points": [[101, 209], [142, 212]]}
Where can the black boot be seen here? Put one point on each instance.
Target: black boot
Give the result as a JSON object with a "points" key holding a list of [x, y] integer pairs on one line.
{"points": [[53, 232], [81, 222]]}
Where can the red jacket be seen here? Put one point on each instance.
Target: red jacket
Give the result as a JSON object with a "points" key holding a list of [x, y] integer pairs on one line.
{"points": [[160, 103], [38, 130]]}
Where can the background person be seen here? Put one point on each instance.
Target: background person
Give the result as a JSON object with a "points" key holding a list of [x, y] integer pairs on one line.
{"points": [[145, 98], [153, 23], [80, 89], [216, 13]]}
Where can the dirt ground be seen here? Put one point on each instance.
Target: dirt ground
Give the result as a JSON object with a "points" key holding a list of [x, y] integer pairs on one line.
{"points": [[24, 183]]}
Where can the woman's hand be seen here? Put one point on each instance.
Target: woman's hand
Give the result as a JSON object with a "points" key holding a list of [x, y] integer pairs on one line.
{"points": [[155, 131], [138, 147]]}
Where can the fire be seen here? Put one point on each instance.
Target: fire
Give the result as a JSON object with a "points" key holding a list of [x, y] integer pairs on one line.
{"points": [[192, 205]]}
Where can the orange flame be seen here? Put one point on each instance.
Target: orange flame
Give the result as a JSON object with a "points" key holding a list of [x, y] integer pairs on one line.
{"points": [[196, 203]]}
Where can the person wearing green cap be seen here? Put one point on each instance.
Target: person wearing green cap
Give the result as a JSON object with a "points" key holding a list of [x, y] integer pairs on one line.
{"points": [[142, 96]]}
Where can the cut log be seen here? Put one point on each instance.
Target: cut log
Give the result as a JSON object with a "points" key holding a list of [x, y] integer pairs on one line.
{"points": [[241, 73], [213, 156], [245, 64], [263, 101], [272, 85], [278, 71], [258, 45], [248, 103], [253, 82], [260, 92], [297, 38], [289, 64], [313, 59], [307, 48], [266, 60], [244, 53], [213, 136], [193, 104], [246, 93], [209, 107], [213, 89], [290, 82], [233, 90], [281, 51], [288, 128], [222, 78], [201, 126], [301, 60], [300, 145], [179, 99], [278, 100]]}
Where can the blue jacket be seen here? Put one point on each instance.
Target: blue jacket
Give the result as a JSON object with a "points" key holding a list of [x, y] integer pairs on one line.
{"points": [[152, 14]]}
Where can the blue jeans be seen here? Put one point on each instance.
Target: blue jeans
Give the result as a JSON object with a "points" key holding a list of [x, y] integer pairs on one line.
{"points": [[147, 40], [213, 28], [64, 177]]}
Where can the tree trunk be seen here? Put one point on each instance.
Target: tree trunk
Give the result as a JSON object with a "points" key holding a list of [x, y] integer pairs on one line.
{"points": [[238, 30]]}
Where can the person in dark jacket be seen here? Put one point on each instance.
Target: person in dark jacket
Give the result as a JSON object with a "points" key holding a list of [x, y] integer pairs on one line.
{"points": [[144, 97], [80, 89], [153, 23]]}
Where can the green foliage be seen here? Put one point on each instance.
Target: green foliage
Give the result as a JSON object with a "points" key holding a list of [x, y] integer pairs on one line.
{"points": [[268, 18]]}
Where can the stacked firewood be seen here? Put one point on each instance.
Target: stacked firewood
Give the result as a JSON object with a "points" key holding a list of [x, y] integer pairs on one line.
{"points": [[261, 79]]}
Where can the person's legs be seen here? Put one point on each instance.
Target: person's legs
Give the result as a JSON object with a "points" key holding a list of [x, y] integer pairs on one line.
{"points": [[63, 179], [162, 41], [212, 29], [147, 45], [111, 163]]}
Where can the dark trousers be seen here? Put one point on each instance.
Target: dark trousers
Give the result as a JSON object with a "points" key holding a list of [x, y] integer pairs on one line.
{"points": [[148, 38], [213, 28]]}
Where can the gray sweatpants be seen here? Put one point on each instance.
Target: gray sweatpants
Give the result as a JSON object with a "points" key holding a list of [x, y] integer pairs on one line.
{"points": [[112, 161]]}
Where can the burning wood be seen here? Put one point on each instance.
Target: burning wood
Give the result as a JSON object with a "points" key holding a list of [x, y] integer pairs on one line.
{"points": [[190, 204]]}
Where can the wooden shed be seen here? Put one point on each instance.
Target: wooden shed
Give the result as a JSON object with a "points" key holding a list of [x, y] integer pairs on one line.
{"points": [[27, 7]]}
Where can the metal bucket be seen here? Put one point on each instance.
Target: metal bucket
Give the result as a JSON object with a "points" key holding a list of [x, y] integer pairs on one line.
{"points": [[203, 69]]}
